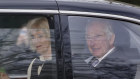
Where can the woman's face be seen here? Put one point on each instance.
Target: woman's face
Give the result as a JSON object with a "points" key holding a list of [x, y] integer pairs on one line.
{"points": [[40, 41]]}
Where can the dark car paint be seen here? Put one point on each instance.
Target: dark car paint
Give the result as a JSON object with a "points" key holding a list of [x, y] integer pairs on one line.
{"points": [[66, 47], [108, 8], [29, 4], [58, 44], [62, 37]]}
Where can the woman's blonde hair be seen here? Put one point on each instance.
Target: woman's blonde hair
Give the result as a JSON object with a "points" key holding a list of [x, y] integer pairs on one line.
{"points": [[40, 23]]}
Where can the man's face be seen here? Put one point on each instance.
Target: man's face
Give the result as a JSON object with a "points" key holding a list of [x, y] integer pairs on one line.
{"points": [[97, 40]]}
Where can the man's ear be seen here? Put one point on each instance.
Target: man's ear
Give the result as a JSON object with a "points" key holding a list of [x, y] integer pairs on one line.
{"points": [[112, 39]]}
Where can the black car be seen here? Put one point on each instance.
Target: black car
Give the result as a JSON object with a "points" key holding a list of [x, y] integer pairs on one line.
{"points": [[71, 38]]}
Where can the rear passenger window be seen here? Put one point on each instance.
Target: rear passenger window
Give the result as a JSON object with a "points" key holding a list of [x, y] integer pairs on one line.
{"points": [[104, 48], [27, 47]]}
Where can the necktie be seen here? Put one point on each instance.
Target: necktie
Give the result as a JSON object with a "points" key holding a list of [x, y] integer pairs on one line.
{"points": [[94, 62]]}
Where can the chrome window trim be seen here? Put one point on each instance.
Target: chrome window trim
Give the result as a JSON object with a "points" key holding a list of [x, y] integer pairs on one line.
{"points": [[17, 76], [28, 11], [69, 13], [100, 15]]}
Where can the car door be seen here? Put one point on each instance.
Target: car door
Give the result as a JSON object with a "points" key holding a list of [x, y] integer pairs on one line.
{"points": [[16, 50], [77, 50]]}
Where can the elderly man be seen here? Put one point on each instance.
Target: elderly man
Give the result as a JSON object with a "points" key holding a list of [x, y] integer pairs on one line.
{"points": [[107, 61], [100, 41]]}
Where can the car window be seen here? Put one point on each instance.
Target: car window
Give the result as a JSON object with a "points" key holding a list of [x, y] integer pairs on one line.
{"points": [[104, 48], [27, 48]]}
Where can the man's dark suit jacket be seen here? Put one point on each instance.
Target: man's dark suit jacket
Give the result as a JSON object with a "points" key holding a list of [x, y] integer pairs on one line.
{"points": [[119, 64]]}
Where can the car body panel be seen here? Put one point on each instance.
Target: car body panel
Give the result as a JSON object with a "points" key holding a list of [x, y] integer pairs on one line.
{"points": [[62, 9], [108, 8], [28, 4]]}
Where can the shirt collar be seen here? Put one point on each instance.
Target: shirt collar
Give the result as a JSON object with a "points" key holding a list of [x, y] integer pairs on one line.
{"points": [[100, 59], [42, 58]]}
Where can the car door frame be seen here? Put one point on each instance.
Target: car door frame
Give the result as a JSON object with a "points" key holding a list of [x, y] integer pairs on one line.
{"points": [[66, 45], [57, 34]]}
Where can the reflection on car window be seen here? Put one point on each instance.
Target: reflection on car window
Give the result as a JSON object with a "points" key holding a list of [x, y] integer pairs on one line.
{"points": [[23, 37], [103, 48], [27, 47]]}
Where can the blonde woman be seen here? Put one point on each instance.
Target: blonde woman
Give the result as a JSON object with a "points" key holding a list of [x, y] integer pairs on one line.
{"points": [[39, 40]]}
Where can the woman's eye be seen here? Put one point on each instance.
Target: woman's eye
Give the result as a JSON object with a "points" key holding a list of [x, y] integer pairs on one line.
{"points": [[40, 36]]}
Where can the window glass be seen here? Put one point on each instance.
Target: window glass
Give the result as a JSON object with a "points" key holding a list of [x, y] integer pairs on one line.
{"points": [[104, 48], [27, 47]]}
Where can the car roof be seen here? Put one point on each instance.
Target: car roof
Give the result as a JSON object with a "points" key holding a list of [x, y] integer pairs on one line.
{"points": [[100, 6], [28, 4]]}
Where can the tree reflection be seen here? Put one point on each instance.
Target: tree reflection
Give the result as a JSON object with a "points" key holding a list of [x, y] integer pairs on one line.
{"points": [[135, 2]]}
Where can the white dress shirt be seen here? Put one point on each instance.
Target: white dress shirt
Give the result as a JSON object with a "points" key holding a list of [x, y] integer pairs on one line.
{"points": [[100, 59]]}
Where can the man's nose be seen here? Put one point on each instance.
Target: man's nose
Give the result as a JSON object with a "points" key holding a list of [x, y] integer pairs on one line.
{"points": [[92, 42]]}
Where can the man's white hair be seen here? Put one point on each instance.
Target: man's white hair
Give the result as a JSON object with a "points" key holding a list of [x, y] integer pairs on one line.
{"points": [[106, 24]]}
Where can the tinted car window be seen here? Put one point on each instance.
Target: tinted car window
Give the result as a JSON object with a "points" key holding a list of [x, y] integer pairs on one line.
{"points": [[104, 48], [27, 46]]}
